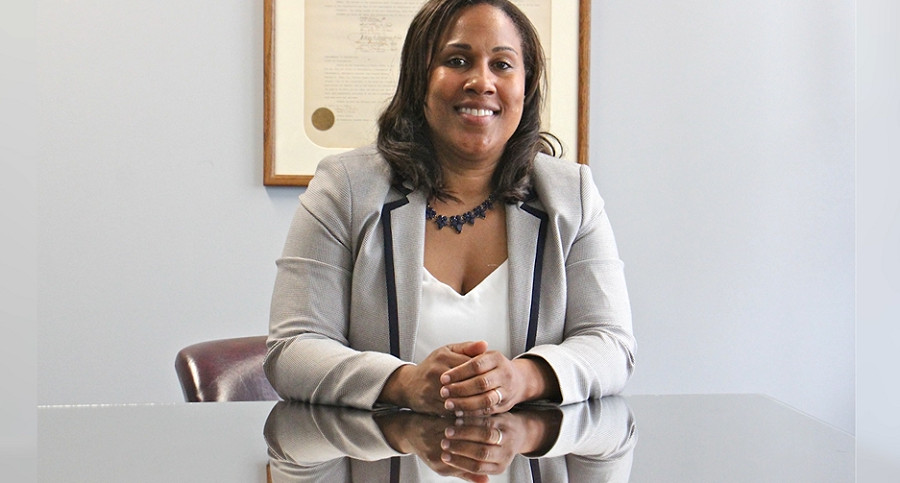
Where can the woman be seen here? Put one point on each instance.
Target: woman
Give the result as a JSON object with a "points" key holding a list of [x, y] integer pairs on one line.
{"points": [[383, 297]]}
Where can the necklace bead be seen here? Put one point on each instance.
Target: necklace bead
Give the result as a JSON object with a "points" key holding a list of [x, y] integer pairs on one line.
{"points": [[458, 221]]}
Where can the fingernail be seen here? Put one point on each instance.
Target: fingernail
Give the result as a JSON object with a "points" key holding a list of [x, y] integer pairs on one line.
{"points": [[449, 432], [445, 393], [445, 457], [448, 405], [445, 444], [459, 414], [445, 379]]}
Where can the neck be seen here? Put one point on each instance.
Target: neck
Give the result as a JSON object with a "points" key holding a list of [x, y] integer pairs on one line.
{"points": [[468, 182]]}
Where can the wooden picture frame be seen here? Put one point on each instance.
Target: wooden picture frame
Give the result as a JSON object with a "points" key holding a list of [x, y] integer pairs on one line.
{"points": [[290, 156]]}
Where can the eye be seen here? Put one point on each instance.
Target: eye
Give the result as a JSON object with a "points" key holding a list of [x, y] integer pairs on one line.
{"points": [[456, 62], [503, 65]]}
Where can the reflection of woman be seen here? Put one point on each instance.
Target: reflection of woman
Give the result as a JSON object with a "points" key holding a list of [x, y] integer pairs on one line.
{"points": [[380, 294], [591, 441]]}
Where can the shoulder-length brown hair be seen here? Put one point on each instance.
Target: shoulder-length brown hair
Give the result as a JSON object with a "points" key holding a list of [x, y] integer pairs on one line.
{"points": [[403, 135]]}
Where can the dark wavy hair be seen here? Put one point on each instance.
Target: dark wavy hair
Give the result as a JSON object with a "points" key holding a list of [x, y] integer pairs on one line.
{"points": [[403, 133]]}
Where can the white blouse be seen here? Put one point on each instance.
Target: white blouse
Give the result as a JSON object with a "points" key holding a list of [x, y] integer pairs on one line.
{"points": [[447, 317]]}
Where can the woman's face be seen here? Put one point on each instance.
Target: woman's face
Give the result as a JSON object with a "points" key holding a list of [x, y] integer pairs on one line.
{"points": [[476, 87]]}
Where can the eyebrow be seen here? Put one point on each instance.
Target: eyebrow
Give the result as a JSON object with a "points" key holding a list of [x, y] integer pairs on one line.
{"points": [[500, 48]]}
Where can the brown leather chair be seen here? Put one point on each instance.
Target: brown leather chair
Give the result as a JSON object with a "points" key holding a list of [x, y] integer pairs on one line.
{"points": [[224, 370]]}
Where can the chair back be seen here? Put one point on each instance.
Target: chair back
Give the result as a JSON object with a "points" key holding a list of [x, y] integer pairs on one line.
{"points": [[224, 370]]}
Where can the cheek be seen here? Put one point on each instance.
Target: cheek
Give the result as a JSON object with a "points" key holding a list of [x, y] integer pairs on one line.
{"points": [[429, 103], [431, 106], [517, 96], [518, 100], [437, 83]]}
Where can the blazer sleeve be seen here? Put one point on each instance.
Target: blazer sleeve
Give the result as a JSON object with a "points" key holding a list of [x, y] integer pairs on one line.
{"points": [[596, 356], [309, 357]]}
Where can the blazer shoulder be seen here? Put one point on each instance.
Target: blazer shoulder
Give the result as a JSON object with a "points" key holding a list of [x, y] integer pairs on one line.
{"points": [[359, 165], [546, 165], [563, 186], [361, 175]]}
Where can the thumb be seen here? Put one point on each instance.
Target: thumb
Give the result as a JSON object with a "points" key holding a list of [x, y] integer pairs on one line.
{"points": [[470, 349]]}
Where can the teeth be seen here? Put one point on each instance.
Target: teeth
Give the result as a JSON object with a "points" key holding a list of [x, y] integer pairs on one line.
{"points": [[476, 112]]}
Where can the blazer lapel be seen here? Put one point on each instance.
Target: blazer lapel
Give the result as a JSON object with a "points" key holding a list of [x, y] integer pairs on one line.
{"points": [[404, 238], [526, 227]]}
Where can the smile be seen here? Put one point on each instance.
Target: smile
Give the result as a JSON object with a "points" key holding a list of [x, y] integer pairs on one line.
{"points": [[476, 112]]}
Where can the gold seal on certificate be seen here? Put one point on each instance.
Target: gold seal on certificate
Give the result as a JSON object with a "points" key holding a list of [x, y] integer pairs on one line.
{"points": [[323, 119]]}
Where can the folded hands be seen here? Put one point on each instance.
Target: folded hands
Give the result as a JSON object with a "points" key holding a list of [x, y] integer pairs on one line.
{"points": [[467, 379]]}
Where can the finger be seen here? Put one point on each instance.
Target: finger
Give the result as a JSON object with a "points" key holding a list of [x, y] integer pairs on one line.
{"points": [[474, 457], [477, 385], [471, 349], [477, 430], [482, 404], [482, 452], [442, 359], [448, 360], [475, 366], [476, 393]]}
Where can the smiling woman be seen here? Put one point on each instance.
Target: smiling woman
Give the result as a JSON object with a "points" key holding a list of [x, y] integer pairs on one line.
{"points": [[476, 88], [320, 100], [375, 303]]}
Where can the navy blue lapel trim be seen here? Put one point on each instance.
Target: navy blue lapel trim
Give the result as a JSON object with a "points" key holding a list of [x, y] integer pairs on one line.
{"points": [[534, 310], [535, 470], [395, 469], [389, 273]]}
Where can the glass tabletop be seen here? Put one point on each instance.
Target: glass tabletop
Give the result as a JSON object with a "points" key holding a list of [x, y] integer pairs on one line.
{"points": [[690, 438]]}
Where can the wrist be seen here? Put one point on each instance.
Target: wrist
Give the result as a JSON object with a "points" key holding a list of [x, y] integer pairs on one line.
{"points": [[544, 431], [539, 379], [394, 391], [392, 428]]}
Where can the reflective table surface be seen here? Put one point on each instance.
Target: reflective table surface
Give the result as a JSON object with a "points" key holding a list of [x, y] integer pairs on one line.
{"points": [[697, 438]]}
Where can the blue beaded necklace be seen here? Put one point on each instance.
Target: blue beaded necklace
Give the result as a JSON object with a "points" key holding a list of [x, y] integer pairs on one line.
{"points": [[457, 221]]}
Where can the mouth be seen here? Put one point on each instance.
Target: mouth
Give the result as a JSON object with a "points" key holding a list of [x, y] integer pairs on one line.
{"points": [[476, 112]]}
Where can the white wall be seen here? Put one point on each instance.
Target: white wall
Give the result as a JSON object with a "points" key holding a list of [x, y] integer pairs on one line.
{"points": [[878, 235], [722, 141], [155, 230], [18, 210]]}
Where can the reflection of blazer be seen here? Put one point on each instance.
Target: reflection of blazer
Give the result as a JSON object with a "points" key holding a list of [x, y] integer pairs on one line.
{"points": [[345, 308], [595, 442]]}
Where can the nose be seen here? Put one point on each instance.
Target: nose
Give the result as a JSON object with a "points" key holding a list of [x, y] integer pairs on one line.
{"points": [[481, 81]]}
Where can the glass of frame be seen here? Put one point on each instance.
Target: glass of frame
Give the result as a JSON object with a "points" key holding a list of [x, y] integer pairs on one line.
{"points": [[331, 65]]}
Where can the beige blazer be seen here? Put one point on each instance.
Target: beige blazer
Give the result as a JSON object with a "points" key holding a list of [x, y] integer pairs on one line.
{"points": [[345, 307]]}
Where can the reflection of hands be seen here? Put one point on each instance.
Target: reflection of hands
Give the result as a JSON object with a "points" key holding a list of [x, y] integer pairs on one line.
{"points": [[471, 448], [308, 441], [488, 445], [489, 383], [421, 434]]}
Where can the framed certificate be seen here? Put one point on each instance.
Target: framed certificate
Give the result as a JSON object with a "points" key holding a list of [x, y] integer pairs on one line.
{"points": [[331, 66]]}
